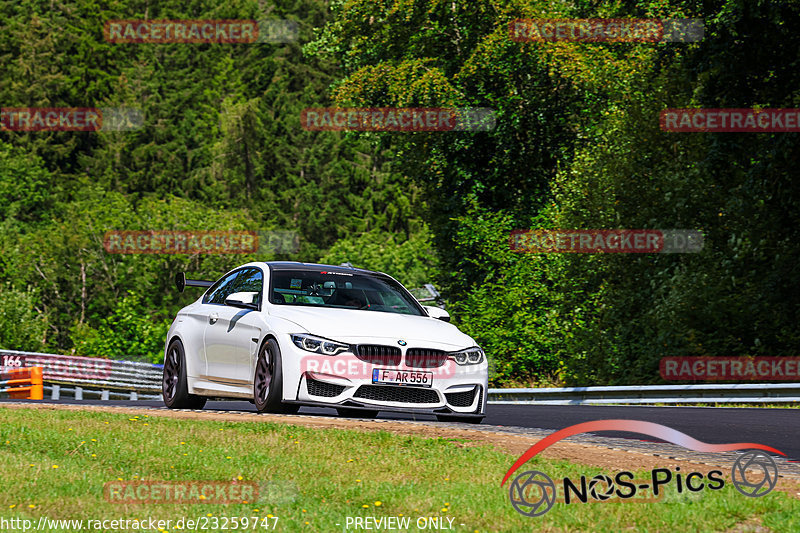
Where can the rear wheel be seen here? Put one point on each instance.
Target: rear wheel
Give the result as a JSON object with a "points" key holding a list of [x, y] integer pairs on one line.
{"points": [[268, 382], [349, 412], [174, 387]]}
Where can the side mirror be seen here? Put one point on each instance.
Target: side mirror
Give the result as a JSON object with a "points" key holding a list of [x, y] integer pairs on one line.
{"points": [[244, 300], [437, 312]]}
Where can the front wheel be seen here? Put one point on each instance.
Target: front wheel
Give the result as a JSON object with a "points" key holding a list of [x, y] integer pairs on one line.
{"points": [[174, 388], [268, 381]]}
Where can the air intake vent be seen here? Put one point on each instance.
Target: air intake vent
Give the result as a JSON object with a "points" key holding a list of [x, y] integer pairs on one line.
{"points": [[397, 394], [379, 355], [461, 399], [425, 358], [326, 390]]}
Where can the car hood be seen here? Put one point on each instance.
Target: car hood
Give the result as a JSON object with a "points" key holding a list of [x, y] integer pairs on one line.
{"points": [[353, 326]]}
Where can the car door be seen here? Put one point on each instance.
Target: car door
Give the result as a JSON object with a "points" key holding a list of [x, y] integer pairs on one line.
{"points": [[249, 323], [208, 312], [229, 348]]}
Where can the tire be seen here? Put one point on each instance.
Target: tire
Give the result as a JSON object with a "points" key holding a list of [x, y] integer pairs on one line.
{"points": [[174, 388], [463, 419], [349, 412], [268, 380]]}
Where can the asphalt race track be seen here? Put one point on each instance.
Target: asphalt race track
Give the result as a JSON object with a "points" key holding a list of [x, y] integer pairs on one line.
{"points": [[779, 428]]}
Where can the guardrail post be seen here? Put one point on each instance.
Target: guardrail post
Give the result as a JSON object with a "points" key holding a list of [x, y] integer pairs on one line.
{"points": [[56, 395], [134, 396], [78, 393], [37, 384], [104, 395]]}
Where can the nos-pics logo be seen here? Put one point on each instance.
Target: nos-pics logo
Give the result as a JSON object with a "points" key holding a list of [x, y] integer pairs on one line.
{"points": [[533, 493]]}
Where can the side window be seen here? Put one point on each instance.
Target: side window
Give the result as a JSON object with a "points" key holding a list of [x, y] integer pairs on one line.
{"points": [[221, 289], [249, 280]]}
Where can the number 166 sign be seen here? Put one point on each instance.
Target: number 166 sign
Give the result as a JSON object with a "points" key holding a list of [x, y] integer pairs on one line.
{"points": [[12, 361]]}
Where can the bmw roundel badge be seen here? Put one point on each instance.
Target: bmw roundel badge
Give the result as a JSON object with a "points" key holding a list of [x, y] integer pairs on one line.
{"points": [[401, 342]]}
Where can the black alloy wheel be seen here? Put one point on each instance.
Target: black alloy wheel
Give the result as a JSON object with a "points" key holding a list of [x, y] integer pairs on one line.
{"points": [[174, 387]]}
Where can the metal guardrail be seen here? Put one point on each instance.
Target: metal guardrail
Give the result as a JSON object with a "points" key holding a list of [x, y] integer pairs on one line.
{"points": [[650, 394], [75, 377], [84, 377], [60, 392]]}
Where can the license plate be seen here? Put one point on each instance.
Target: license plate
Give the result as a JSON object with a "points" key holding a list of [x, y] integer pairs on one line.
{"points": [[402, 377]]}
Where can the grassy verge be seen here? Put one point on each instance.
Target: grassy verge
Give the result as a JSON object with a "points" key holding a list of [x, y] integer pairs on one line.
{"points": [[55, 463]]}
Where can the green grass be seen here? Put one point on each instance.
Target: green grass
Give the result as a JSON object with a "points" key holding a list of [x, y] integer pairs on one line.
{"points": [[317, 477]]}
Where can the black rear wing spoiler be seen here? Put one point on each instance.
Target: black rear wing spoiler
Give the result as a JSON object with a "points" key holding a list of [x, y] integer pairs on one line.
{"points": [[181, 282]]}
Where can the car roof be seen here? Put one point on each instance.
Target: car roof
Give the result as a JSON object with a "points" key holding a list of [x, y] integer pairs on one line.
{"points": [[296, 265]]}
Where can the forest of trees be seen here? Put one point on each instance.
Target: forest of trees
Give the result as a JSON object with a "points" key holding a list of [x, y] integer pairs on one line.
{"points": [[577, 144]]}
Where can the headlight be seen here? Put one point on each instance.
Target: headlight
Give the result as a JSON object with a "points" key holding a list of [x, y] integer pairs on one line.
{"points": [[314, 344], [470, 356]]}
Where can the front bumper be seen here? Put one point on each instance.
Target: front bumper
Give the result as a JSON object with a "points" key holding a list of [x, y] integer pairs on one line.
{"points": [[344, 380]]}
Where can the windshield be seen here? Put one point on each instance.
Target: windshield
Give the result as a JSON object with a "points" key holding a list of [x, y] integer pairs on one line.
{"points": [[342, 290]]}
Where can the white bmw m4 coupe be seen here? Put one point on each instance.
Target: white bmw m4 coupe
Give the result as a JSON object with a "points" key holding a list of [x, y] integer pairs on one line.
{"points": [[286, 334]]}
